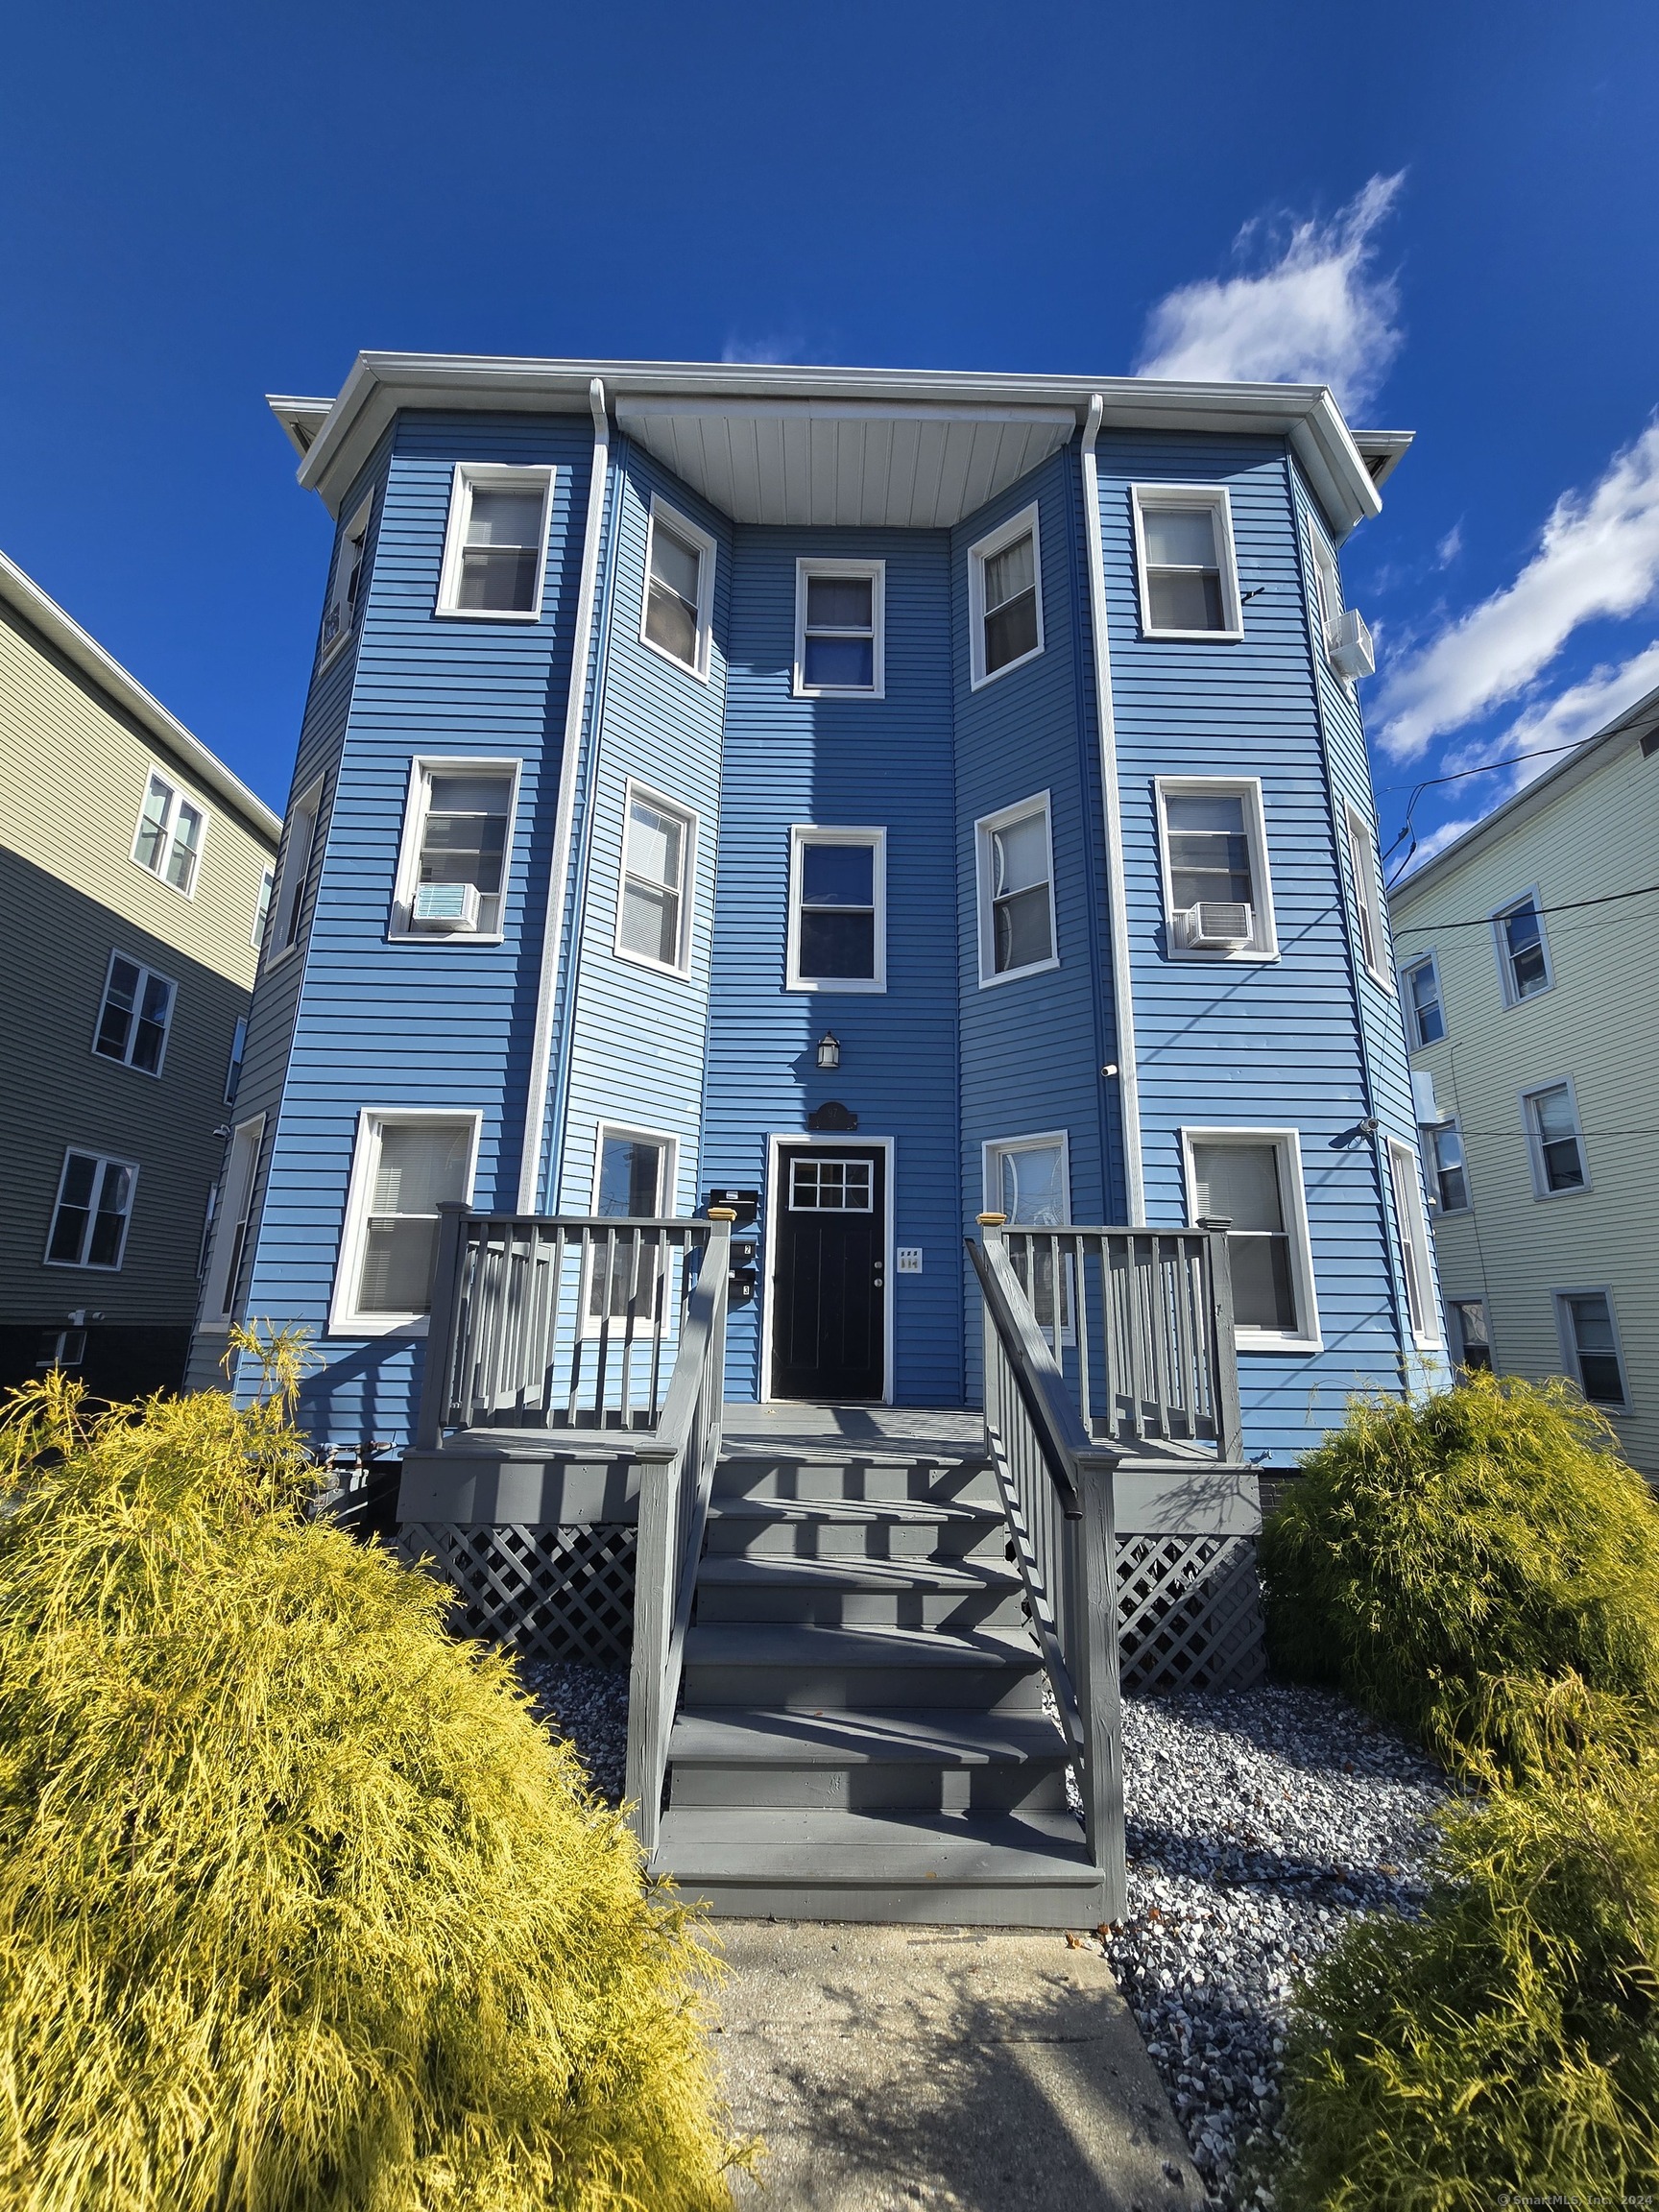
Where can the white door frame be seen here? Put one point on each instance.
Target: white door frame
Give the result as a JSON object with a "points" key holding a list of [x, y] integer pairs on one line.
{"points": [[848, 1140]]}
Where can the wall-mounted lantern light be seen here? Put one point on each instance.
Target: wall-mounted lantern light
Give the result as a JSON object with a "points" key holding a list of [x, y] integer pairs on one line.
{"points": [[828, 1049]]}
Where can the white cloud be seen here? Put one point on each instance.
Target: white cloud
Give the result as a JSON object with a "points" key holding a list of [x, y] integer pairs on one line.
{"points": [[1319, 315], [1436, 840], [1599, 556], [766, 351], [1450, 547]]}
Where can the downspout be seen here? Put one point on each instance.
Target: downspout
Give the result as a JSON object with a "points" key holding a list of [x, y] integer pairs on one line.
{"points": [[558, 866], [1117, 918]]}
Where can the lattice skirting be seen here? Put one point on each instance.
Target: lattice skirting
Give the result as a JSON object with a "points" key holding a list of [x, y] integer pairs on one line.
{"points": [[565, 1592], [1189, 1613]]}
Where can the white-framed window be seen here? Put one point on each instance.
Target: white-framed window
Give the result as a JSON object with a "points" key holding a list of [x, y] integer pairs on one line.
{"points": [[658, 870], [1471, 1333], [1411, 1228], [1028, 1179], [136, 1015], [1425, 1005], [495, 542], [234, 1067], [456, 849], [1184, 558], [229, 1215], [405, 1162], [1005, 597], [172, 830], [1327, 590], [819, 1183], [1448, 1172], [1554, 1139], [837, 938], [91, 1210], [840, 629], [1252, 1179], [1590, 1346], [340, 616], [1368, 898], [293, 871], [1217, 893], [634, 1180], [262, 906], [1014, 856], [677, 615], [1524, 965], [61, 1348]]}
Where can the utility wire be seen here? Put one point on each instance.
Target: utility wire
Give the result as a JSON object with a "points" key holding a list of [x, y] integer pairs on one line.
{"points": [[1567, 906], [1456, 774]]}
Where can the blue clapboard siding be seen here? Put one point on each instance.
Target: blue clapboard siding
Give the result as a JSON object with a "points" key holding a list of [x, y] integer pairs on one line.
{"points": [[874, 763]]}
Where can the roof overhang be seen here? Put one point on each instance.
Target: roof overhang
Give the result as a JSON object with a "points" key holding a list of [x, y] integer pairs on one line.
{"points": [[831, 445]]}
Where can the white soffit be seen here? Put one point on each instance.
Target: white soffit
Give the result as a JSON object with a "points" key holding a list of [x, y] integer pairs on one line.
{"points": [[847, 467]]}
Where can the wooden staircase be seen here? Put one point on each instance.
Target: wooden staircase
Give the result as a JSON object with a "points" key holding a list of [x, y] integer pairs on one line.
{"points": [[862, 1733]]}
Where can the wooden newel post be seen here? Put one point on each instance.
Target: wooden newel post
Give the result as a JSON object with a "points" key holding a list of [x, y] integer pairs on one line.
{"points": [[1098, 1693], [437, 1368], [1224, 1351]]}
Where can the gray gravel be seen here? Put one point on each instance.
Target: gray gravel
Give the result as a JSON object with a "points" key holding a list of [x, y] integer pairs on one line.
{"points": [[589, 1705], [1259, 1823]]}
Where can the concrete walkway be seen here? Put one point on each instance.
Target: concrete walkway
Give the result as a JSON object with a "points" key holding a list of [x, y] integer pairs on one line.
{"points": [[895, 2069]]}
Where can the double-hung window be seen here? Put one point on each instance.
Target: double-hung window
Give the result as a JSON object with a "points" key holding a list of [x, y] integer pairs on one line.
{"points": [[679, 606], [1252, 1180], [293, 871], [1590, 1345], [1523, 950], [653, 909], [1447, 1169], [1554, 1139], [1424, 1009], [840, 629], [1218, 904], [134, 1017], [495, 545], [632, 1180], [1471, 1333], [405, 1164], [340, 616], [457, 835], [91, 1213], [169, 838], [1327, 590], [837, 909], [1028, 1180], [1368, 898], [262, 906], [1005, 597], [1187, 573], [1411, 1228], [230, 1216], [1015, 857]]}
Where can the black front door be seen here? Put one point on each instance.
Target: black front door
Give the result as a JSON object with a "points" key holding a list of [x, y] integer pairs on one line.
{"points": [[828, 1291]]}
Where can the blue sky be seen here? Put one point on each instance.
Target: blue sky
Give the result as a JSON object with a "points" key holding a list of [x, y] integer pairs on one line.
{"points": [[1445, 209]]}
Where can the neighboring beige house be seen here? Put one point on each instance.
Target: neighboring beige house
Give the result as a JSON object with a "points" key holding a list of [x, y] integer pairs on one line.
{"points": [[135, 872], [1526, 949]]}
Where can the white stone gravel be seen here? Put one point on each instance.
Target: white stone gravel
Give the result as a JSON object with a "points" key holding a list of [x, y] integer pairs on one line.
{"points": [[1260, 1825], [589, 1705]]}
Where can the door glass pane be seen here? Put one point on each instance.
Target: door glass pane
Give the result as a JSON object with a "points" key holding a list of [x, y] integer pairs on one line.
{"points": [[1179, 537], [830, 1186]]}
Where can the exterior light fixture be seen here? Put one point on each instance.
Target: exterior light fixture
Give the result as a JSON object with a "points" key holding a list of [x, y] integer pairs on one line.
{"points": [[828, 1049]]}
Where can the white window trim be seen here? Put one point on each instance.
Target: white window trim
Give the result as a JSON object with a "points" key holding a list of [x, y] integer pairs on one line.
{"points": [[1415, 1038], [1455, 1345], [777, 1142], [983, 830], [144, 968], [232, 1220], [1505, 981], [266, 899], [344, 1318], [1306, 1336], [415, 807], [801, 834], [1416, 1246], [681, 966], [489, 476], [1535, 1145], [1570, 1345], [1264, 939], [105, 1159], [178, 790], [355, 532], [876, 572], [1214, 498], [682, 527], [986, 550], [1327, 597], [591, 1324], [1369, 899], [287, 917], [1430, 1131]]}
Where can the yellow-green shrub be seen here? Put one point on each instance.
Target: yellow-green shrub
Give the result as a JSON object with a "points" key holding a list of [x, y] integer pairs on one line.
{"points": [[299, 1910], [1478, 1567]]}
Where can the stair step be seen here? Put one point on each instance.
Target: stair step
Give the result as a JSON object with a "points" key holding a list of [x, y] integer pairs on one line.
{"points": [[929, 1759], [807, 1668], [855, 1476], [894, 1528], [854, 1591]]}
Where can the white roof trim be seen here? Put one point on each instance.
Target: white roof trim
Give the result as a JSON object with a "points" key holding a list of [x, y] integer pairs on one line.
{"points": [[23, 594]]}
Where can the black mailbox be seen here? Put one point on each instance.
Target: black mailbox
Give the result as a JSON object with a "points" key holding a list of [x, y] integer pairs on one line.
{"points": [[745, 1204]]}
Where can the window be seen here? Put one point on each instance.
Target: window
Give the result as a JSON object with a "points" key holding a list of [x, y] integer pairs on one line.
{"points": [[1016, 878], [1523, 952], [1368, 898], [61, 1348], [1471, 1333], [1252, 1179], [839, 629], [208, 1213], [1590, 1345], [679, 588], [1028, 1179], [405, 1164], [1005, 597], [1327, 590], [632, 1180], [230, 1216], [170, 835], [1446, 1172], [819, 1185], [1554, 1139], [233, 1069], [837, 909], [340, 616], [658, 855], [457, 834], [1184, 547], [262, 908], [133, 1019], [1425, 1015], [93, 1207], [496, 546], [1412, 1231], [1216, 898]]}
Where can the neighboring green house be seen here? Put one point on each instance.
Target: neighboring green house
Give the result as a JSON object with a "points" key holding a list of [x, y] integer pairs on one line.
{"points": [[1524, 951], [135, 873]]}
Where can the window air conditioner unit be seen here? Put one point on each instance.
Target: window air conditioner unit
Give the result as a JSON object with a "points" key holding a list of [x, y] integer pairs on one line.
{"points": [[446, 906], [1351, 652], [1218, 925]]}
